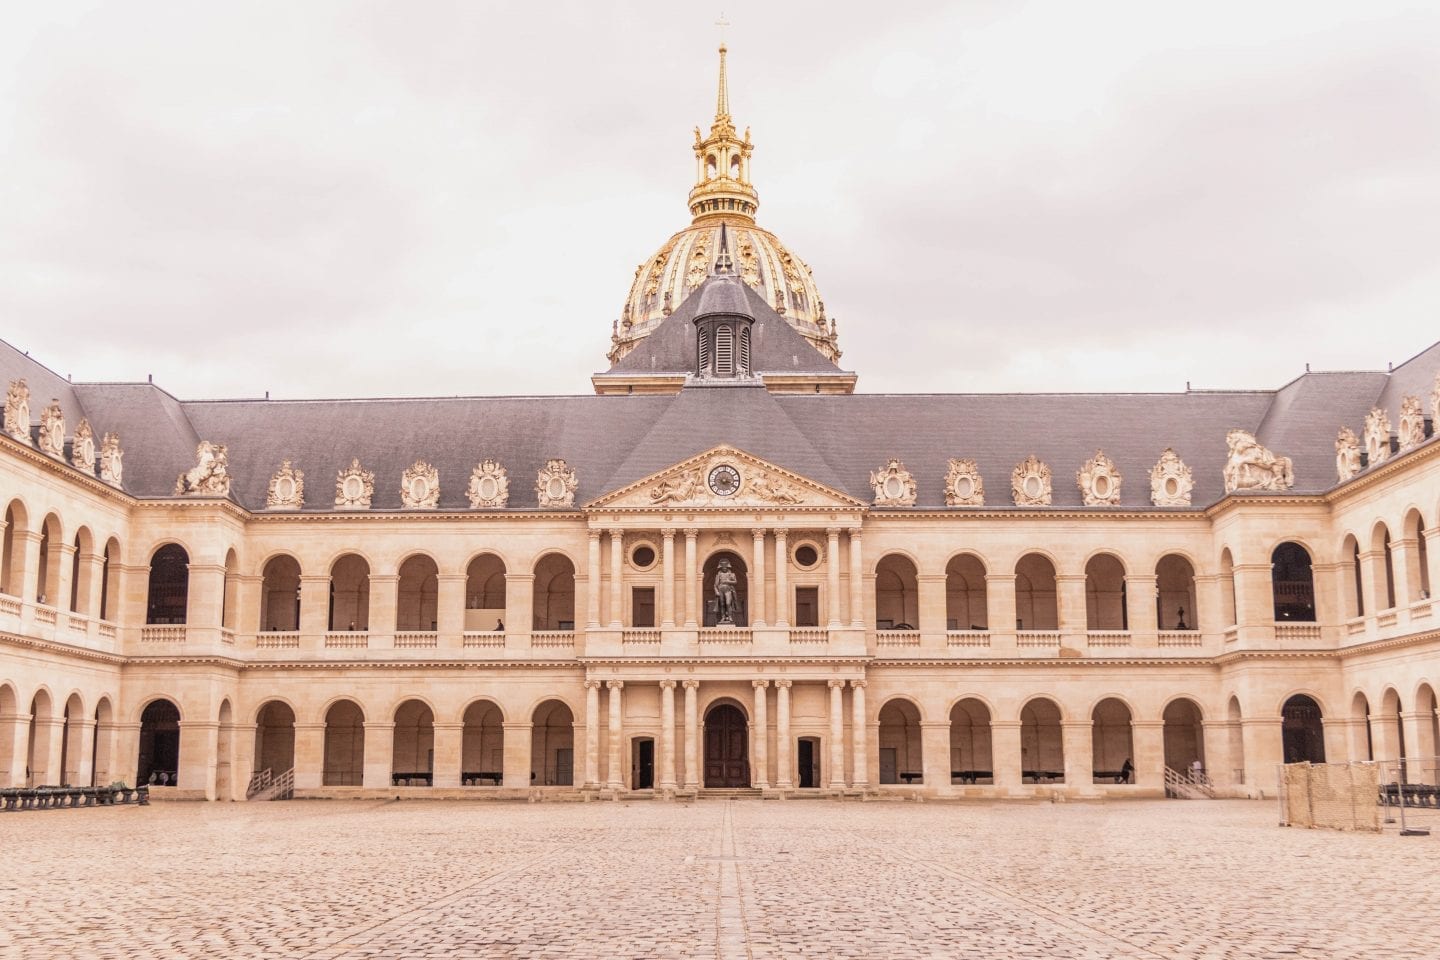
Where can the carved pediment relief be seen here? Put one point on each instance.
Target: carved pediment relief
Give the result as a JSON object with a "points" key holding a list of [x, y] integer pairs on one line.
{"points": [[210, 477], [112, 460], [1377, 435], [964, 487], [1412, 423], [1099, 481], [17, 410], [287, 488], [1347, 454], [52, 430], [82, 449], [894, 487], [721, 478], [1030, 483], [420, 486], [555, 484], [354, 487], [489, 486], [1249, 466], [1170, 481]]}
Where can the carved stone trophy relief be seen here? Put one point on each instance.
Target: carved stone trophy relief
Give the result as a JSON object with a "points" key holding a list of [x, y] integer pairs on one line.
{"points": [[17, 410], [52, 430], [555, 484], [964, 487], [1171, 482], [420, 486], [1412, 423], [1347, 454], [1377, 436], [112, 460], [1249, 466], [354, 487], [210, 477], [1030, 483], [893, 484], [489, 486], [287, 488], [1099, 481], [82, 448]]}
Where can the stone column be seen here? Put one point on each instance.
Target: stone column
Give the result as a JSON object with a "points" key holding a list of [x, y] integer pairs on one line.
{"points": [[50, 733], [95, 582], [1384, 736], [783, 763], [126, 757], [592, 573], [592, 734], [450, 606], [1218, 763], [1264, 751], [692, 578], [667, 585], [309, 756], [935, 753], [1070, 594], [760, 734], [449, 740], [930, 607], [1005, 754], [832, 576], [692, 735], [379, 750], [617, 560], [384, 592], [616, 775], [1209, 605], [859, 747], [1000, 607], [80, 753], [857, 580], [516, 772], [1148, 737], [667, 734], [27, 543], [1255, 601], [782, 584], [198, 756], [757, 581], [837, 734], [520, 606], [1140, 609], [1432, 555], [60, 599], [1406, 566], [1079, 754], [1418, 750], [314, 606]]}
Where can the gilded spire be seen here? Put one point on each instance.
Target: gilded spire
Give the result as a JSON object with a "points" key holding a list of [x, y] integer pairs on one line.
{"points": [[722, 98], [722, 164]]}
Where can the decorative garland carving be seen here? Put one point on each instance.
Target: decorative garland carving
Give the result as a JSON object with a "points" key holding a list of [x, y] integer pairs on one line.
{"points": [[354, 487], [555, 484], [964, 487], [82, 448], [420, 486], [52, 430], [1170, 481], [1412, 423], [894, 487], [1030, 483], [1347, 454], [112, 460], [17, 410], [489, 486], [287, 488], [1377, 435], [1250, 466], [210, 477], [1099, 481]]}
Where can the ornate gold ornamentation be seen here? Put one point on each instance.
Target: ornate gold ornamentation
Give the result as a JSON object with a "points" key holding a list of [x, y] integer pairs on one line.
{"points": [[1377, 435], [82, 448], [1099, 481], [1250, 466], [52, 430], [287, 488], [749, 262], [1412, 423], [1170, 481], [894, 487], [489, 486], [555, 484], [112, 460], [354, 487], [699, 262], [420, 486], [964, 487], [210, 477], [1030, 483], [17, 410], [1347, 454]]}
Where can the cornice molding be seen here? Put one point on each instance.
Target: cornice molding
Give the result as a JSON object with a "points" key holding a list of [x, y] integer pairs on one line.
{"points": [[1394, 464], [66, 470]]}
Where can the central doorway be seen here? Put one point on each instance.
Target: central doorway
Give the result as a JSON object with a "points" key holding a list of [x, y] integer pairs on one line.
{"points": [[642, 763], [727, 760], [808, 759]]}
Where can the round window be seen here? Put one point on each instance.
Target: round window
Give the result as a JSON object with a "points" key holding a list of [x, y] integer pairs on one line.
{"points": [[1172, 486], [354, 487], [964, 487], [806, 556], [643, 556], [894, 488], [285, 489], [419, 488], [1032, 487], [1102, 486], [555, 489], [489, 488]]}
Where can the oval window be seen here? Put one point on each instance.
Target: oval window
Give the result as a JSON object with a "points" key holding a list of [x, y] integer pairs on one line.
{"points": [[1172, 486], [643, 556], [419, 488], [894, 488], [354, 487], [1102, 486], [806, 556], [1032, 487], [489, 488], [555, 488], [964, 487]]}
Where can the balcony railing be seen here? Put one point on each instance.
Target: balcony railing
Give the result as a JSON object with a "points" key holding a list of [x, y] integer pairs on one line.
{"points": [[1181, 638], [44, 614], [640, 635], [725, 635], [1297, 631], [77, 623], [1355, 626], [967, 638], [416, 639], [9, 604], [897, 638], [1387, 618], [346, 640], [809, 635], [552, 639], [227, 636], [162, 634], [1420, 609], [278, 640], [489, 639], [105, 629], [1038, 639], [1108, 638]]}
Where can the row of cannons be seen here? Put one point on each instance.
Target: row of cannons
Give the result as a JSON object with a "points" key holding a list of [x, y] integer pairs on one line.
{"points": [[53, 798]]}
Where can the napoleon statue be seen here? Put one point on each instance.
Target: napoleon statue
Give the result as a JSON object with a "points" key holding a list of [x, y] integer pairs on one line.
{"points": [[726, 594]]}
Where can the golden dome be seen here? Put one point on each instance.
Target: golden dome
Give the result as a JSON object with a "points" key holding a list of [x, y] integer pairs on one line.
{"points": [[723, 194]]}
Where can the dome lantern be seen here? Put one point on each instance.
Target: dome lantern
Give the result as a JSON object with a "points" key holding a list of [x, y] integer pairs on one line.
{"points": [[722, 165]]}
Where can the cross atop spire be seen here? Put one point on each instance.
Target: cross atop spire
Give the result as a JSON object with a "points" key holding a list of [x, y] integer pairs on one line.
{"points": [[722, 161], [722, 98]]}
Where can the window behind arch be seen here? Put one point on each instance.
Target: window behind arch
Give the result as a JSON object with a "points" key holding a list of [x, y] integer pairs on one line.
{"points": [[169, 585]]}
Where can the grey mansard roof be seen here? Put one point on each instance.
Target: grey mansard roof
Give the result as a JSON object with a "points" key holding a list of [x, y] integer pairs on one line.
{"points": [[836, 440]]}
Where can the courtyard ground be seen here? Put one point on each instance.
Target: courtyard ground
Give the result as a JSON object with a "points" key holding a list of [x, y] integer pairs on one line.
{"points": [[715, 879]]}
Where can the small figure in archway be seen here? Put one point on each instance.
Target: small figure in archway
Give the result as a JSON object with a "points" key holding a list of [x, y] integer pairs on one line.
{"points": [[1126, 769], [499, 626], [725, 591]]}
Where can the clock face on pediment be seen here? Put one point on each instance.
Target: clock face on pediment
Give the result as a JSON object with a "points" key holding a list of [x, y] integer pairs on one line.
{"points": [[725, 477], [724, 480]]}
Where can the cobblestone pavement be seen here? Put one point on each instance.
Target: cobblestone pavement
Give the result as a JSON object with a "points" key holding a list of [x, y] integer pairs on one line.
{"points": [[714, 879]]}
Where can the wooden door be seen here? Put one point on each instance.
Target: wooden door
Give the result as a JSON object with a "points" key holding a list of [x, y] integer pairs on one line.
{"points": [[727, 748]]}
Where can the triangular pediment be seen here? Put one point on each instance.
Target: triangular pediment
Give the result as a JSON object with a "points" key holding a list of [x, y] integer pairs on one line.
{"points": [[704, 481]]}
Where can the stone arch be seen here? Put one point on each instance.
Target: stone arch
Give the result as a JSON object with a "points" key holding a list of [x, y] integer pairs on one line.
{"points": [[280, 594], [418, 594], [971, 744], [1037, 602], [72, 740], [225, 751], [1042, 747], [9, 707], [552, 744], [1353, 595], [37, 757], [275, 736], [1105, 594], [966, 593], [1235, 728], [413, 743], [485, 591], [1176, 605], [901, 742], [103, 743], [1362, 745], [1227, 588], [1427, 750], [110, 579], [897, 594], [710, 602], [80, 572], [553, 595], [52, 555], [1384, 567], [158, 762], [726, 728], [1292, 582], [344, 759], [349, 593], [230, 593], [1418, 586], [1184, 734], [167, 596], [1302, 729], [1112, 741], [482, 743], [12, 563]]}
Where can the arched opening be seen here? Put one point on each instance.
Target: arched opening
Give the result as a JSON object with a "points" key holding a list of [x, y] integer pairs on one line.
{"points": [[966, 600], [12, 565], [1105, 594], [280, 594], [344, 745], [109, 581], [1384, 584], [732, 609], [9, 707], [1354, 589], [485, 593], [418, 594], [81, 565], [1227, 587], [1036, 604], [1175, 606], [1427, 751], [1236, 725], [1112, 740], [37, 763], [169, 590], [901, 759], [1184, 737], [727, 747], [1042, 750], [971, 760], [224, 751], [1362, 747], [230, 597], [482, 745], [897, 597], [735, 167], [275, 738], [413, 759], [1302, 731], [159, 760], [553, 602], [72, 742], [350, 594], [1292, 583], [710, 166], [1418, 587], [552, 745], [101, 744], [50, 558], [1390, 726]]}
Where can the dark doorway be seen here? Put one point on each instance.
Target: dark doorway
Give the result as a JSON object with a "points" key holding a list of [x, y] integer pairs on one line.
{"points": [[1302, 732], [642, 764], [727, 760], [741, 617], [159, 743], [808, 756]]}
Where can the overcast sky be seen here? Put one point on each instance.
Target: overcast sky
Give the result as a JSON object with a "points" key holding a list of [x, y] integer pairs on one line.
{"points": [[396, 199]]}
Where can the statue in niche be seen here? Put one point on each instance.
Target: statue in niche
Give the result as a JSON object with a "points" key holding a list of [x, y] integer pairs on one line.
{"points": [[1250, 466], [1377, 436], [52, 430], [112, 460], [82, 450], [17, 410], [1412, 423], [679, 489], [1347, 454], [727, 593], [210, 477]]}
